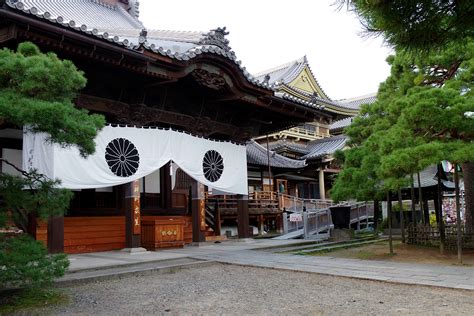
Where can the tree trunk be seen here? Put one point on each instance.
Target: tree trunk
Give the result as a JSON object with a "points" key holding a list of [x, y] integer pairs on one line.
{"points": [[389, 221], [420, 199], [439, 211], [402, 219], [468, 175], [413, 208], [376, 213]]}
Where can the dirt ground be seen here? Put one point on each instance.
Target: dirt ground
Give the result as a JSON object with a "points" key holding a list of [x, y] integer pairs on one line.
{"points": [[403, 253], [234, 290]]}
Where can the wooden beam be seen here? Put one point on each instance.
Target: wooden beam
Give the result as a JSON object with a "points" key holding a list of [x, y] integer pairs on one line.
{"points": [[142, 115]]}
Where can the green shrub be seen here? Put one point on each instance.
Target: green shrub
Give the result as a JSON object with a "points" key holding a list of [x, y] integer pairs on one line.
{"points": [[24, 262]]}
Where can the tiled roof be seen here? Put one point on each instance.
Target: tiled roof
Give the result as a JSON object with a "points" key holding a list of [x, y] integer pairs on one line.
{"points": [[283, 73], [326, 146], [292, 146], [316, 99], [286, 73], [287, 96], [114, 24], [279, 78], [341, 124], [429, 178], [355, 103], [257, 155], [80, 11]]}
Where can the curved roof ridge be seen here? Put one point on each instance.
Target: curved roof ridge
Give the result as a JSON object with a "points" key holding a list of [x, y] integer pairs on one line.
{"points": [[317, 82], [257, 154], [128, 16], [325, 146], [302, 59]]}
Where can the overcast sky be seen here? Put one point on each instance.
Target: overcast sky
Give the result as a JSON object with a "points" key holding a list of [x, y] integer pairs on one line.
{"points": [[267, 33]]}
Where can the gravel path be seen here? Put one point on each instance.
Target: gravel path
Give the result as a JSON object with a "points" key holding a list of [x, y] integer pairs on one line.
{"points": [[235, 290]]}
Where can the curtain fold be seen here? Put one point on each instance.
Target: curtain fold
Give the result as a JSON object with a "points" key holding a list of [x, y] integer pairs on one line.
{"points": [[124, 154]]}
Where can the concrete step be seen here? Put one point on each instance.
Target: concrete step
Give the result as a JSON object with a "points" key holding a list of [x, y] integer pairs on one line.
{"points": [[341, 246], [117, 272], [316, 245]]}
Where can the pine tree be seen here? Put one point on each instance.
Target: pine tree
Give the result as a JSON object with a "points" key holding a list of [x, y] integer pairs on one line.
{"points": [[424, 28], [416, 25], [36, 91]]}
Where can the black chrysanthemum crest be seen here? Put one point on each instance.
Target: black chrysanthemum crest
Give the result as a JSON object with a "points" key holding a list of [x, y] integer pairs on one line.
{"points": [[212, 165], [122, 157]]}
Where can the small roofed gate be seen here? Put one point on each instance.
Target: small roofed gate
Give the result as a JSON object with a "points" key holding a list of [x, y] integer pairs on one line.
{"points": [[191, 82]]}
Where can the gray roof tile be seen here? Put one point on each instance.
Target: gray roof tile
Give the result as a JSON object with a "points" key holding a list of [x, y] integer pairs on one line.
{"points": [[288, 145], [341, 124], [429, 178], [286, 73], [356, 103], [325, 146], [283, 73], [115, 24], [257, 155]]}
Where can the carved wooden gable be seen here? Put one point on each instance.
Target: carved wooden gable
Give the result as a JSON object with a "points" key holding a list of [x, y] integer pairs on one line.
{"points": [[305, 81]]}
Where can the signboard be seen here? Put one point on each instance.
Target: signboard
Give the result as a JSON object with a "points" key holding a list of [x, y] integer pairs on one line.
{"points": [[136, 207], [295, 217]]}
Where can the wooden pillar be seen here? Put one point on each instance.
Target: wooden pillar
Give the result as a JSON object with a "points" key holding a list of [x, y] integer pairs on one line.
{"points": [[243, 216], [165, 186], [131, 206], [322, 189], [260, 224], [217, 219], [197, 199], [426, 211], [439, 202], [56, 234]]}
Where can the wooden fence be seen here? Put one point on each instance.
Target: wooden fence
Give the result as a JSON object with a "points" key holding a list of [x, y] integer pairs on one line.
{"points": [[427, 235]]}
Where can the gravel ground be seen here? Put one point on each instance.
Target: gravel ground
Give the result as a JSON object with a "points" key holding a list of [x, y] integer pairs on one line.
{"points": [[234, 290]]}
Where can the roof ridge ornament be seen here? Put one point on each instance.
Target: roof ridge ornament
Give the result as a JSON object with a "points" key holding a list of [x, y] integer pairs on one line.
{"points": [[142, 36], [217, 38], [266, 79], [314, 97]]}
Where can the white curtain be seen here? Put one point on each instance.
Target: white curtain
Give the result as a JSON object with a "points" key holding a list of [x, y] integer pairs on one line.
{"points": [[124, 154]]}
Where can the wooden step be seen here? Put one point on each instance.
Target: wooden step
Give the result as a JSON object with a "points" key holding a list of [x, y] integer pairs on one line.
{"points": [[216, 238]]}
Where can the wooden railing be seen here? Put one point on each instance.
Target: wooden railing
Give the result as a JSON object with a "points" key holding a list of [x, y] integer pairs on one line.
{"points": [[269, 200], [361, 211], [256, 200], [213, 216], [294, 204]]}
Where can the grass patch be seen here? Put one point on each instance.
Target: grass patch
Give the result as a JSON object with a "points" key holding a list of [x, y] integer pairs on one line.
{"points": [[365, 234], [22, 300]]}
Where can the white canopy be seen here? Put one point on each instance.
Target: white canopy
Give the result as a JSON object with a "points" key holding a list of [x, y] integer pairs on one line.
{"points": [[124, 154]]}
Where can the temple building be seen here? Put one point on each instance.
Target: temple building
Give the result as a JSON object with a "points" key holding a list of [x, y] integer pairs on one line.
{"points": [[314, 141], [180, 109]]}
